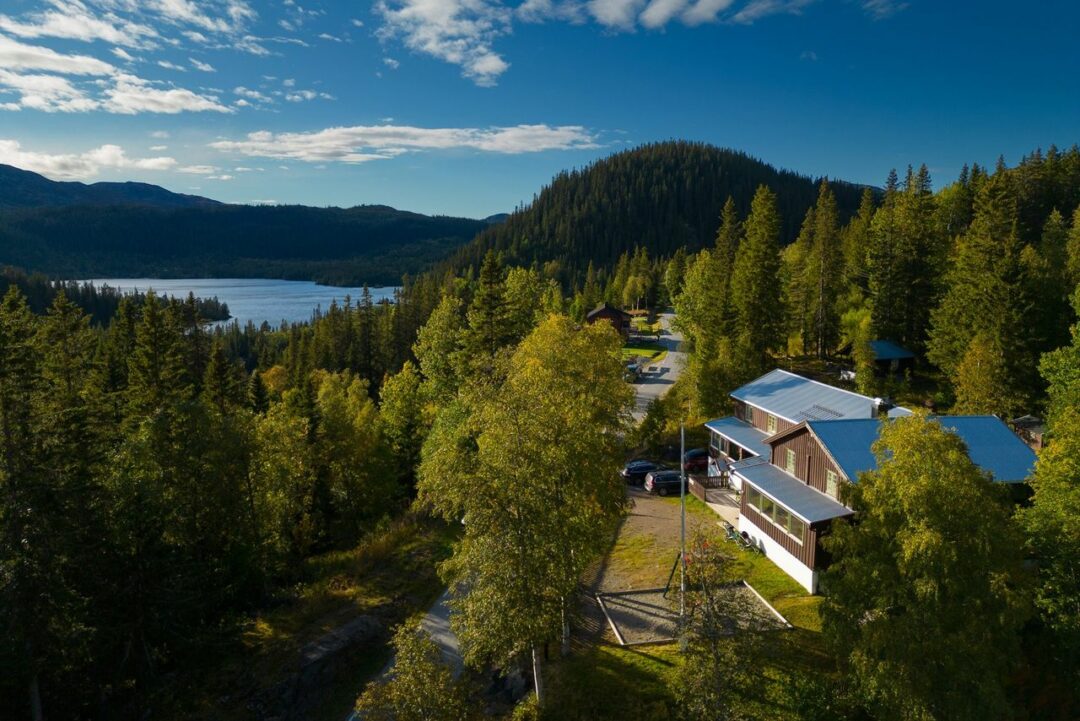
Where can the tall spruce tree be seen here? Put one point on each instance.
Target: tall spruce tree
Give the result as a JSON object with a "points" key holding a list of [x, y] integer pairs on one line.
{"points": [[755, 286], [823, 275], [985, 291]]}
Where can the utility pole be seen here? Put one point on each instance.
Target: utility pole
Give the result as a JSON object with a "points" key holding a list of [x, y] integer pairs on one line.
{"points": [[682, 527]]}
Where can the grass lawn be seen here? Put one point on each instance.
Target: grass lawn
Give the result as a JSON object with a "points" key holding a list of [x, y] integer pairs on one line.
{"points": [[642, 349], [390, 575], [606, 681]]}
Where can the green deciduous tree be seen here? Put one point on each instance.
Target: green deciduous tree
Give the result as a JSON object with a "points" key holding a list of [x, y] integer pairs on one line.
{"points": [[420, 687], [528, 465], [924, 608]]}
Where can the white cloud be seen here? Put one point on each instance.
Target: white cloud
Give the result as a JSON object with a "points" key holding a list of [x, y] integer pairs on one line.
{"points": [[130, 95], [160, 134], [460, 32], [159, 148], [705, 11], [123, 55], [758, 9], [200, 65], [620, 14], [250, 94], [171, 66], [47, 93], [391, 63], [76, 166], [197, 169], [289, 82], [74, 21], [357, 23], [20, 56], [331, 38], [881, 9], [361, 144], [301, 95], [538, 11], [660, 12]]}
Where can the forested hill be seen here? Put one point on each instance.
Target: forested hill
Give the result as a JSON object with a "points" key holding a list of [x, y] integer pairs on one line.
{"points": [[660, 196], [371, 244], [25, 189]]}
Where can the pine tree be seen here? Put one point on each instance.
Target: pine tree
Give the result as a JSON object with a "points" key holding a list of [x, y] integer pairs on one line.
{"points": [[855, 240], [257, 396], [755, 287], [221, 383], [984, 288], [158, 374], [489, 322]]}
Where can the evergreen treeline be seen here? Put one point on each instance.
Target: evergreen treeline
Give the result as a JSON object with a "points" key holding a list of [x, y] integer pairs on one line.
{"points": [[974, 278], [366, 244], [661, 196], [159, 480], [100, 304]]}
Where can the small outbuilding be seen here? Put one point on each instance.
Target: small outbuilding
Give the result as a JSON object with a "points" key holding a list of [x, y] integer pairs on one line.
{"points": [[619, 319], [891, 358]]}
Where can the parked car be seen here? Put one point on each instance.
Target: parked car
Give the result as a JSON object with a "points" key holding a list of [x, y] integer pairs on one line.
{"points": [[635, 471], [696, 460], [663, 482]]}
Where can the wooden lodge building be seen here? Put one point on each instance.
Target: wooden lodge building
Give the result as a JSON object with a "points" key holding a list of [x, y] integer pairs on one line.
{"points": [[619, 319], [794, 442]]}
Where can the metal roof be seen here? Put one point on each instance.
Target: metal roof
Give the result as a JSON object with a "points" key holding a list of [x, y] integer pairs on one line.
{"points": [[886, 350], [849, 443], [742, 433], [798, 399], [804, 501], [990, 444]]}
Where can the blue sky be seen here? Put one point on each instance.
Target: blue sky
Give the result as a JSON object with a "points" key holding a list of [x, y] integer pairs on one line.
{"points": [[468, 107]]}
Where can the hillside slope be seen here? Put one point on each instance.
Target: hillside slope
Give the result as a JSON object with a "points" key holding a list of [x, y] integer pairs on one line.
{"points": [[660, 196], [25, 189]]}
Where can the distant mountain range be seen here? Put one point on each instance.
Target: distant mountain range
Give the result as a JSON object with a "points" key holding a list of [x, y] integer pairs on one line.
{"points": [[24, 189], [661, 196], [136, 229]]}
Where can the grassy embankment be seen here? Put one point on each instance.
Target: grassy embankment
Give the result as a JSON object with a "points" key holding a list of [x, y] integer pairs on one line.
{"points": [[606, 681]]}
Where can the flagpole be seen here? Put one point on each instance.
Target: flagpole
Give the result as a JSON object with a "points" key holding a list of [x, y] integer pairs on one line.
{"points": [[682, 527]]}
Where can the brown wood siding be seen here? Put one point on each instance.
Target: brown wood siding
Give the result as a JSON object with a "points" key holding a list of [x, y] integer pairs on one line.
{"points": [[805, 551], [760, 418], [811, 461]]}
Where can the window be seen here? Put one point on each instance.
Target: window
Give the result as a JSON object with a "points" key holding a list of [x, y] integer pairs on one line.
{"points": [[832, 486], [747, 413], [775, 514], [789, 461], [770, 424]]}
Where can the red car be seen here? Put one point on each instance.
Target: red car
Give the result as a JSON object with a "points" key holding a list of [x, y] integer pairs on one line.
{"points": [[696, 461]]}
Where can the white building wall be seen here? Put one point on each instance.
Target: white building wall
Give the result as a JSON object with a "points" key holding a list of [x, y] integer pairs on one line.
{"points": [[806, 577]]}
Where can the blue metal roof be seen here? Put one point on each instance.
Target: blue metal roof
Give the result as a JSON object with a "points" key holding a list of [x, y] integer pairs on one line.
{"points": [[798, 399], [886, 350], [849, 442], [804, 501], [742, 433], [991, 445]]}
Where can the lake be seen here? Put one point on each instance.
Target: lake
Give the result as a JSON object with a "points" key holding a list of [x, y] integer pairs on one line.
{"points": [[254, 299]]}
